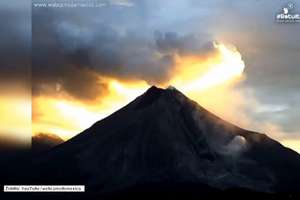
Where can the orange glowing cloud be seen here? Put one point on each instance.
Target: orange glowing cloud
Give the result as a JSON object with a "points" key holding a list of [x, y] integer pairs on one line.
{"points": [[67, 117], [198, 75]]}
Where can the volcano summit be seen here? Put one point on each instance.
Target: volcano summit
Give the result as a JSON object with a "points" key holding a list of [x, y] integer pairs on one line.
{"points": [[163, 142]]}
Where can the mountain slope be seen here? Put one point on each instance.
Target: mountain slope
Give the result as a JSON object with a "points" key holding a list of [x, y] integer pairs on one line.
{"points": [[45, 141], [164, 138]]}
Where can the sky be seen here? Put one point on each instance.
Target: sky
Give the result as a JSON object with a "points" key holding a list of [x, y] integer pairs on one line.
{"points": [[15, 73], [86, 63]]}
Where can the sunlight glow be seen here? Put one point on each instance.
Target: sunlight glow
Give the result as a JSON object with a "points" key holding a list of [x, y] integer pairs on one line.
{"points": [[192, 74], [292, 143], [15, 115], [67, 117], [226, 66]]}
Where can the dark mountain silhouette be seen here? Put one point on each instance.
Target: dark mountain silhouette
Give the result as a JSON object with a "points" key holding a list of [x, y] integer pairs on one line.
{"points": [[163, 142], [45, 141]]}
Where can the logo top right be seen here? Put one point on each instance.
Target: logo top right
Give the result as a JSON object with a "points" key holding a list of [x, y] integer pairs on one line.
{"points": [[288, 14]]}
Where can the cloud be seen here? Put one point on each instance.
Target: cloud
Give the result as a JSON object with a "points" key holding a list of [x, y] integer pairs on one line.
{"points": [[73, 47], [272, 60], [73, 53], [235, 147], [126, 3], [15, 42], [183, 45]]}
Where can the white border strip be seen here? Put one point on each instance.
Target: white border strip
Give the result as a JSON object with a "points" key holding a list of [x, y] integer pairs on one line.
{"points": [[44, 188]]}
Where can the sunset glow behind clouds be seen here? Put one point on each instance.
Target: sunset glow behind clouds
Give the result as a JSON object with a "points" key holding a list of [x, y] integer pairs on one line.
{"points": [[210, 80], [67, 117]]}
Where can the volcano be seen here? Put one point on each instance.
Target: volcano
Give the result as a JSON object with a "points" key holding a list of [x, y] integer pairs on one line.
{"points": [[163, 141]]}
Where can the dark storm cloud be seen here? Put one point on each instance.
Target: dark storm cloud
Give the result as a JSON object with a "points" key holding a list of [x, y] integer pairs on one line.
{"points": [[70, 48], [15, 41], [55, 65], [67, 54], [190, 44]]}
